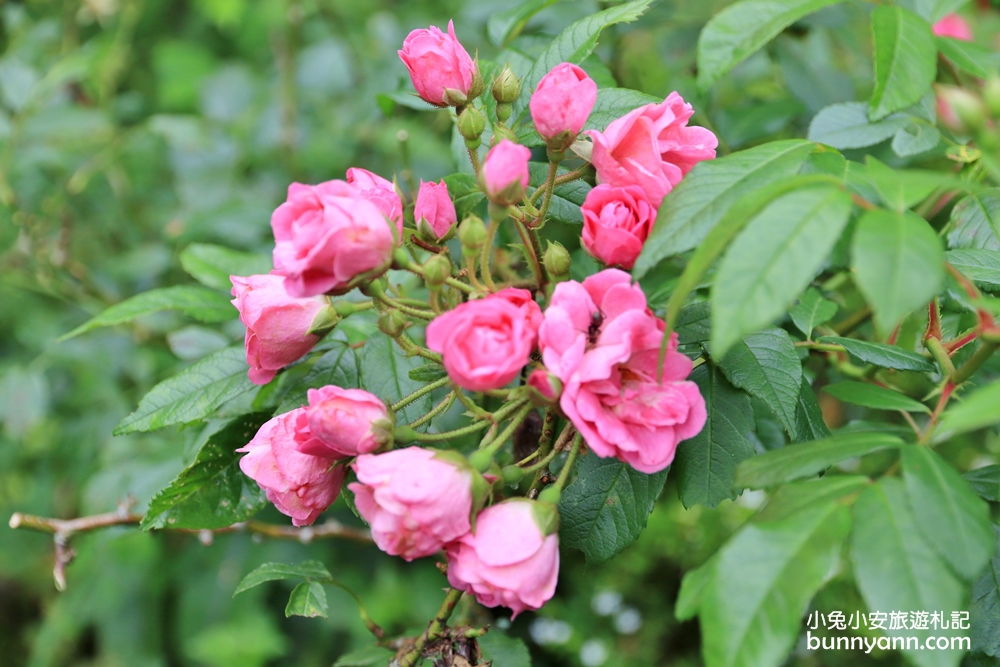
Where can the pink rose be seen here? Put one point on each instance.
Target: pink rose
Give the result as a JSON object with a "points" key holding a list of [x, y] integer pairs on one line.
{"points": [[545, 387], [414, 501], [954, 26], [505, 173], [508, 561], [345, 422], [651, 147], [299, 485], [277, 325], [380, 192], [562, 102], [602, 341], [616, 222], [327, 235], [484, 344], [434, 211], [440, 68]]}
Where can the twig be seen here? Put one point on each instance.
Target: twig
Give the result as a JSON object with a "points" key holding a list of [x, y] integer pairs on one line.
{"points": [[435, 630]]}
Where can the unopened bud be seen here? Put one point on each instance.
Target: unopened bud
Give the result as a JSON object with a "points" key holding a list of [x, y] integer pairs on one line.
{"points": [[437, 270], [544, 389], [471, 123], [481, 459], [454, 97], [966, 107], [392, 323], [472, 234], [544, 511], [512, 474], [506, 86], [324, 321], [557, 261], [501, 132]]}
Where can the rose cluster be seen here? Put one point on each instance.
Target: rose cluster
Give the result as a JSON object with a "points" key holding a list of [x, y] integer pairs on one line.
{"points": [[591, 353]]}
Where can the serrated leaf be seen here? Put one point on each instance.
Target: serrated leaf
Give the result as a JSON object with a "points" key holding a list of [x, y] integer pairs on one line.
{"points": [[211, 265], [898, 263], [707, 193], [968, 56], [212, 492], [916, 138], [309, 570], [385, 373], [693, 324], [953, 519], [895, 569], [369, 656], [882, 355], [811, 311], [307, 599], [427, 373], [873, 396], [199, 303], [465, 193], [192, 394], [985, 481], [980, 408], [984, 612], [752, 608], [605, 507], [975, 222], [337, 366], [766, 365], [982, 266], [846, 125], [809, 424], [808, 459], [773, 259], [905, 60], [705, 465], [504, 650], [741, 29]]}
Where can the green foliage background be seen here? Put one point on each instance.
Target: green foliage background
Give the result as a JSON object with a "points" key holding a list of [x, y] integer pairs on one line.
{"points": [[133, 128]]}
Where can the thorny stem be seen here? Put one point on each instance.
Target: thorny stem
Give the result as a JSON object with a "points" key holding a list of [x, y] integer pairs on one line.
{"points": [[405, 309], [568, 177], [925, 437], [474, 159], [410, 348], [534, 251], [497, 442], [426, 389], [940, 354], [435, 411], [968, 369], [564, 437], [487, 254], [568, 466], [434, 630], [550, 186]]}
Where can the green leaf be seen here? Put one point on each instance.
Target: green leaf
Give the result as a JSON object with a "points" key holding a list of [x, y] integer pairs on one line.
{"points": [[427, 373], [212, 492], [566, 198], [211, 265], [933, 10], [978, 410], [605, 508], [809, 424], [766, 365], [773, 259], [882, 355], [846, 125], [953, 519], [984, 613], [385, 373], [309, 570], [741, 29], [202, 304], [898, 263], [811, 311], [791, 498], [752, 608], [465, 193], [338, 366], [901, 189], [192, 394], [985, 481], [982, 266], [873, 396], [808, 459], [613, 103], [896, 570], [705, 465], [905, 60], [917, 137], [369, 656], [692, 590], [307, 599], [693, 324], [975, 222], [504, 650], [503, 27], [968, 56], [708, 192], [573, 45]]}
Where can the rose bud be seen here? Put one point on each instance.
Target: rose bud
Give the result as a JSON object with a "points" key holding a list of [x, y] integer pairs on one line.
{"points": [[512, 557], [544, 388], [484, 344], [434, 211], [561, 104], [379, 191], [299, 485], [416, 500], [441, 69], [953, 26], [557, 261], [346, 422], [616, 223], [328, 237], [280, 328], [505, 173]]}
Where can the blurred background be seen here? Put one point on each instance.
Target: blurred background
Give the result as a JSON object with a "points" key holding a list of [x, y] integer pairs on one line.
{"points": [[130, 129]]}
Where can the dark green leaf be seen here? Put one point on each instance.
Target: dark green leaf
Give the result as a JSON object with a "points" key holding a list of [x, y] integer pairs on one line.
{"points": [[905, 60], [192, 394], [504, 650], [566, 198], [307, 599], [212, 492], [984, 613], [808, 459], [979, 409], [385, 373], [985, 481], [983, 266], [882, 355], [766, 365], [212, 265], [975, 222], [741, 29], [705, 465], [309, 570], [338, 366], [809, 424], [605, 507], [811, 311], [873, 396], [427, 373], [202, 304], [846, 125], [465, 193], [968, 56], [693, 324], [369, 656]]}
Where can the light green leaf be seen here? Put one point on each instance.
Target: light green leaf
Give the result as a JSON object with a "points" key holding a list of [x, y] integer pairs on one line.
{"points": [[773, 259], [605, 507], [933, 10], [808, 459], [905, 60], [898, 263], [503, 27], [796, 496], [465, 193], [427, 373], [980, 408], [811, 311], [953, 519], [309, 570], [917, 137], [982, 266], [385, 372], [985, 481], [192, 394], [202, 304], [741, 29], [901, 189], [882, 355], [504, 650], [975, 222], [338, 366], [705, 465], [968, 56], [211, 265], [307, 599], [873, 396], [692, 589], [212, 492], [708, 192], [846, 125]]}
